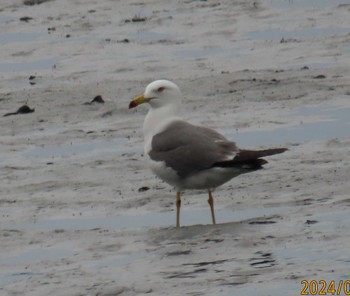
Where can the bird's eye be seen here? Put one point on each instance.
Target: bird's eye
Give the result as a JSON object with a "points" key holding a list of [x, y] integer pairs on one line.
{"points": [[160, 89]]}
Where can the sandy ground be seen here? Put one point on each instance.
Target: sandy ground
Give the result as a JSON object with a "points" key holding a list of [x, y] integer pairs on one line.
{"points": [[80, 213]]}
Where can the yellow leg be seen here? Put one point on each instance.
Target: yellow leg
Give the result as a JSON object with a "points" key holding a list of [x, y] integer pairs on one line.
{"points": [[178, 206], [211, 203]]}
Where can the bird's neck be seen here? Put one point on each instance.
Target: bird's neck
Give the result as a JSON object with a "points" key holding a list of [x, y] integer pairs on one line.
{"points": [[156, 121]]}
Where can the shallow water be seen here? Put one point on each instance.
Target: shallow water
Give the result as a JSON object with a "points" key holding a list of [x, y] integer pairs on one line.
{"points": [[302, 4], [91, 148], [297, 35], [28, 257], [286, 288], [35, 255], [154, 219], [19, 62], [150, 36], [5, 19], [283, 255], [333, 122], [41, 64], [147, 220], [21, 37]]}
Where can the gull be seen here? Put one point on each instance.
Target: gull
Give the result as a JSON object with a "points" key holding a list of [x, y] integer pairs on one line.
{"points": [[188, 156]]}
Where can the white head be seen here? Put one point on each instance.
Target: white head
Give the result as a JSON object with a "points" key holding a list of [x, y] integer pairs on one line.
{"points": [[159, 93], [164, 99]]}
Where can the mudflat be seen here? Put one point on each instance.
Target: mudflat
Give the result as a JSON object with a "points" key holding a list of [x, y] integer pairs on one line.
{"points": [[81, 213]]}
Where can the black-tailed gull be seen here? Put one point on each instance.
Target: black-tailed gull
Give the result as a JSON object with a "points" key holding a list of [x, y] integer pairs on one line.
{"points": [[187, 156]]}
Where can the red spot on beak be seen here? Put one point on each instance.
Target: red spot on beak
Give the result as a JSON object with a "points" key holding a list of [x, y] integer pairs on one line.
{"points": [[132, 105]]}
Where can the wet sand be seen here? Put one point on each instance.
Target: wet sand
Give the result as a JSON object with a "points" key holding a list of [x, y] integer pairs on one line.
{"points": [[81, 214]]}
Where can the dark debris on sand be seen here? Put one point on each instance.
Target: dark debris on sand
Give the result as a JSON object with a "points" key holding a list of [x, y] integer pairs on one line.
{"points": [[96, 100], [25, 109]]}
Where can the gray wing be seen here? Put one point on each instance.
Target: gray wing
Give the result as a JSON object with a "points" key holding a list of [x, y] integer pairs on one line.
{"points": [[187, 148]]}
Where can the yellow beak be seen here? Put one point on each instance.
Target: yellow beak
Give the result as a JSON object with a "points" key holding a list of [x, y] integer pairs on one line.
{"points": [[137, 101]]}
